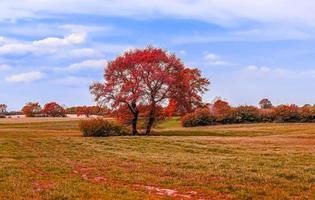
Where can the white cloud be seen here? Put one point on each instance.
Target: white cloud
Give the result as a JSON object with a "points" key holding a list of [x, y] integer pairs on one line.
{"points": [[25, 77], [254, 68], [214, 59], [87, 65], [46, 45], [74, 38], [4, 67]]}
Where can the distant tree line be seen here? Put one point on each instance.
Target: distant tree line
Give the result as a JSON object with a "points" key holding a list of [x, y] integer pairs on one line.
{"points": [[221, 112]]}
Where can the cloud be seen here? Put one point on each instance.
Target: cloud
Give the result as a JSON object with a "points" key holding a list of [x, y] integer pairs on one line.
{"points": [[278, 73], [86, 65], [4, 67], [25, 77], [213, 59], [254, 68], [46, 45], [74, 38]]}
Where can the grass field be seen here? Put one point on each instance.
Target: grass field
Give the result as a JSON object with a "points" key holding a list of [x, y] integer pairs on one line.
{"points": [[48, 159]]}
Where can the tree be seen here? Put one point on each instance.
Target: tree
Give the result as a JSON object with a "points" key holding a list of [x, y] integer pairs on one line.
{"points": [[31, 109], [148, 77], [3, 110], [265, 104], [53, 109]]}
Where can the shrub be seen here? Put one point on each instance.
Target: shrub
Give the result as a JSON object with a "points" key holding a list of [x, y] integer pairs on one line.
{"points": [[267, 115], [53, 109], [99, 127], [246, 114], [287, 113], [222, 112], [307, 113], [201, 117]]}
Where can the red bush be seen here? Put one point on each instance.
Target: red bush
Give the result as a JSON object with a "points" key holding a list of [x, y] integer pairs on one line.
{"points": [[287, 113], [222, 111], [267, 115], [307, 113], [200, 117], [53, 109]]}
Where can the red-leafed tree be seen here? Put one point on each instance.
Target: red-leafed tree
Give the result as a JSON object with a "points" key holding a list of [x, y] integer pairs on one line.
{"points": [[149, 77], [31, 109], [265, 104], [171, 109], [53, 109], [3, 110]]}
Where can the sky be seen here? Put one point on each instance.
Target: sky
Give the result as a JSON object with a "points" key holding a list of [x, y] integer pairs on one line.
{"points": [[249, 50]]}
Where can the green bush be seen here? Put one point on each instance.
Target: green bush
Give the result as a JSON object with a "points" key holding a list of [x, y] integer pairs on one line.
{"points": [[98, 127]]}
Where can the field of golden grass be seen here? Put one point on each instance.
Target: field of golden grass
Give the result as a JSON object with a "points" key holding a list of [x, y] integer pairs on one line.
{"points": [[49, 159]]}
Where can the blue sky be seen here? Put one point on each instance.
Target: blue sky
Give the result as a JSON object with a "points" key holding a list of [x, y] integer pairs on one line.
{"points": [[53, 50]]}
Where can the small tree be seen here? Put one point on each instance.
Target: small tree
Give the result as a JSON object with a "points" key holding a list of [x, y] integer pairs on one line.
{"points": [[3, 110], [53, 109], [265, 104], [31, 109]]}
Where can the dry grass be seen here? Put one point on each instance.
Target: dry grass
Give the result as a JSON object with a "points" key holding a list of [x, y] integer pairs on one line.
{"points": [[50, 160]]}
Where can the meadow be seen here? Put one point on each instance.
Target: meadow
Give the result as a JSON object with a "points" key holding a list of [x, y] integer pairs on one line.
{"points": [[49, 159]]}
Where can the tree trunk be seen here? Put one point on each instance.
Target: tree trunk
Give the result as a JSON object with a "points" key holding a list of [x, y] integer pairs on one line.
{"points": [[134, 123], [150, 121]]}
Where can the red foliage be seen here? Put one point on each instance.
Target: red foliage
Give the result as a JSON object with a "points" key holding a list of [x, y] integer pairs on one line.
{"points": [[187, 91], [287, 113], [222, 111], [200, 117], [171, 109], [307, 113], [31, 109], [53, 109], [267, 115]]}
